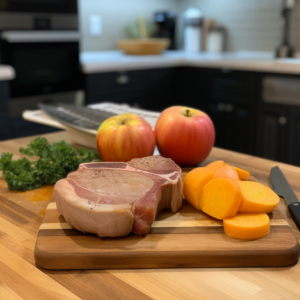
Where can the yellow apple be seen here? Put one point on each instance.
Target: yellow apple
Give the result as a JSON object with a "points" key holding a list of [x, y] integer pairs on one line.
{"points": [[124, 137]]}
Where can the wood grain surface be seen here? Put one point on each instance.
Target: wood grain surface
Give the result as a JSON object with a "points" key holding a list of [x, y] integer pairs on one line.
{"points": [[20, 278], [188, 238]]}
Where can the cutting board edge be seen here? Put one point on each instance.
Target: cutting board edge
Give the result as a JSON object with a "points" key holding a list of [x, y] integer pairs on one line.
{"points": [[55, 261], [274, 255]]}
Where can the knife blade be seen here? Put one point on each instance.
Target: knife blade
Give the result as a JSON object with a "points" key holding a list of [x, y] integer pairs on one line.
{"points": [[79, 118], [281, 187]]}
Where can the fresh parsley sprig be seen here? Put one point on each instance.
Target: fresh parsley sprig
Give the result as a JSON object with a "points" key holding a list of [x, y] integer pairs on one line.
{"points": [[54, 163]]}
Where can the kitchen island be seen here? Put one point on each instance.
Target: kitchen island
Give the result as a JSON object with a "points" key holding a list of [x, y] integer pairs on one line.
{"points": [[21, 216]]}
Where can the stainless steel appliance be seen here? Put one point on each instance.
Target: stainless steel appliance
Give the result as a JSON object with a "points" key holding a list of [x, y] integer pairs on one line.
{"points": [[216, 39], [166, 26], [285, 48], [192, 31], [38, 14], [40, 40], [45, 61]]}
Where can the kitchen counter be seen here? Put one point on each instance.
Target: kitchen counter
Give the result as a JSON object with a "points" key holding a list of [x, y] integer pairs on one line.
{"points": [[106, 61], [6, 73], [20, 219]]}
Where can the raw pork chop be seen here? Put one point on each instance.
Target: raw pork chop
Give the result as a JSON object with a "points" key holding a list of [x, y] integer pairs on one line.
{"points": [[114, 198]]}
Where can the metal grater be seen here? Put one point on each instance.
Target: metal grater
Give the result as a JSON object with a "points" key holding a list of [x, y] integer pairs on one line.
{"points": [[88, 119]]}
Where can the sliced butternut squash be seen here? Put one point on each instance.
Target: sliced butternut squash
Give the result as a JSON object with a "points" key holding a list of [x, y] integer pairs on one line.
{"points": [[243, 175], [214, 166], [221, 198], [193, 184], [227, 172], [257, 198], [247, 226]]}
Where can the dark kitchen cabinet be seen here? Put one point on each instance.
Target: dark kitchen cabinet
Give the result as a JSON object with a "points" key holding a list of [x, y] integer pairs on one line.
{"points": [[150, 89], [21, 128], [226, 80], [228, 97], [273, 132], [192, 87], [231, 101], [16, 127], [4, 118], [278, 136], [234, 123], [202, 88], [162, 93], [294, 136]]}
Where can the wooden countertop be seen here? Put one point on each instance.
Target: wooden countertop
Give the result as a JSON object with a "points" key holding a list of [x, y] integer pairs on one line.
{"points": [[20, 219]]}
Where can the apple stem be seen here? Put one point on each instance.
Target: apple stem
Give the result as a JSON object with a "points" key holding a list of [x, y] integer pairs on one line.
{"points": [[187, 112]]}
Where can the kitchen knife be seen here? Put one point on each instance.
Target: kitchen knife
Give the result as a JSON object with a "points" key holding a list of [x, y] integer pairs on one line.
{"points": [[282, 188], [80, 118]]}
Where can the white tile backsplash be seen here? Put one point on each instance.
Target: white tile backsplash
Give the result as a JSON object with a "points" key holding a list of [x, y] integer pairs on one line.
{"points": [[250, 24], [115, 15]]}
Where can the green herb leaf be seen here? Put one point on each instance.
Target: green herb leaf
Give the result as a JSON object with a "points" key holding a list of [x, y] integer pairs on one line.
{"points": [[54, 163]]}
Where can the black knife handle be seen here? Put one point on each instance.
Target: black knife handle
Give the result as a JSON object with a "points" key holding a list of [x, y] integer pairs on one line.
{"points": [[294, 209]]}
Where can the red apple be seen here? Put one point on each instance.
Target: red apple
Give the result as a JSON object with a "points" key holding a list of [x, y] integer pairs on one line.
{"points": [[184, 134], [124, 137]]}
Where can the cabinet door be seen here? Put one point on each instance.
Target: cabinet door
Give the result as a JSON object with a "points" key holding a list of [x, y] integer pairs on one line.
{"points": [[4, 127], [99, 86], [232, 81], [272, 132], [234, 125], [160, 90], [294, 136], [22, 128], [192, 85], [151, 89], [4, 117]]}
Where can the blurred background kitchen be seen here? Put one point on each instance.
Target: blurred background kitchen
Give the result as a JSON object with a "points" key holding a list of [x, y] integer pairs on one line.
{"points": [[237, 60]]}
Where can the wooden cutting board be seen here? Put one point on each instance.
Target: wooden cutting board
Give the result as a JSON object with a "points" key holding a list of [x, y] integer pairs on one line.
{"points": [[186, 239]]}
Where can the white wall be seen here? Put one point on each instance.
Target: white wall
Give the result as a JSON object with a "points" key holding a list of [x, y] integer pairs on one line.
{"points": [[116, 14], [251, 24]]}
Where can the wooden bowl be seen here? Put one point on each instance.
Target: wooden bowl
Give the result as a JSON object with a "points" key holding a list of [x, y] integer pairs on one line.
{"points": [[143, 46]]}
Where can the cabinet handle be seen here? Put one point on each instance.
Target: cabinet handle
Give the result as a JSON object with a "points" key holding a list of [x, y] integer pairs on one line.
{"points": [[282, 120], [229, 108], [221, 107], [122, 79]]}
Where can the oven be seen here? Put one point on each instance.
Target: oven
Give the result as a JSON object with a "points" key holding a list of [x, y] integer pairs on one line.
{"points": [[39, 6], [40, 40], [45, 62]]}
